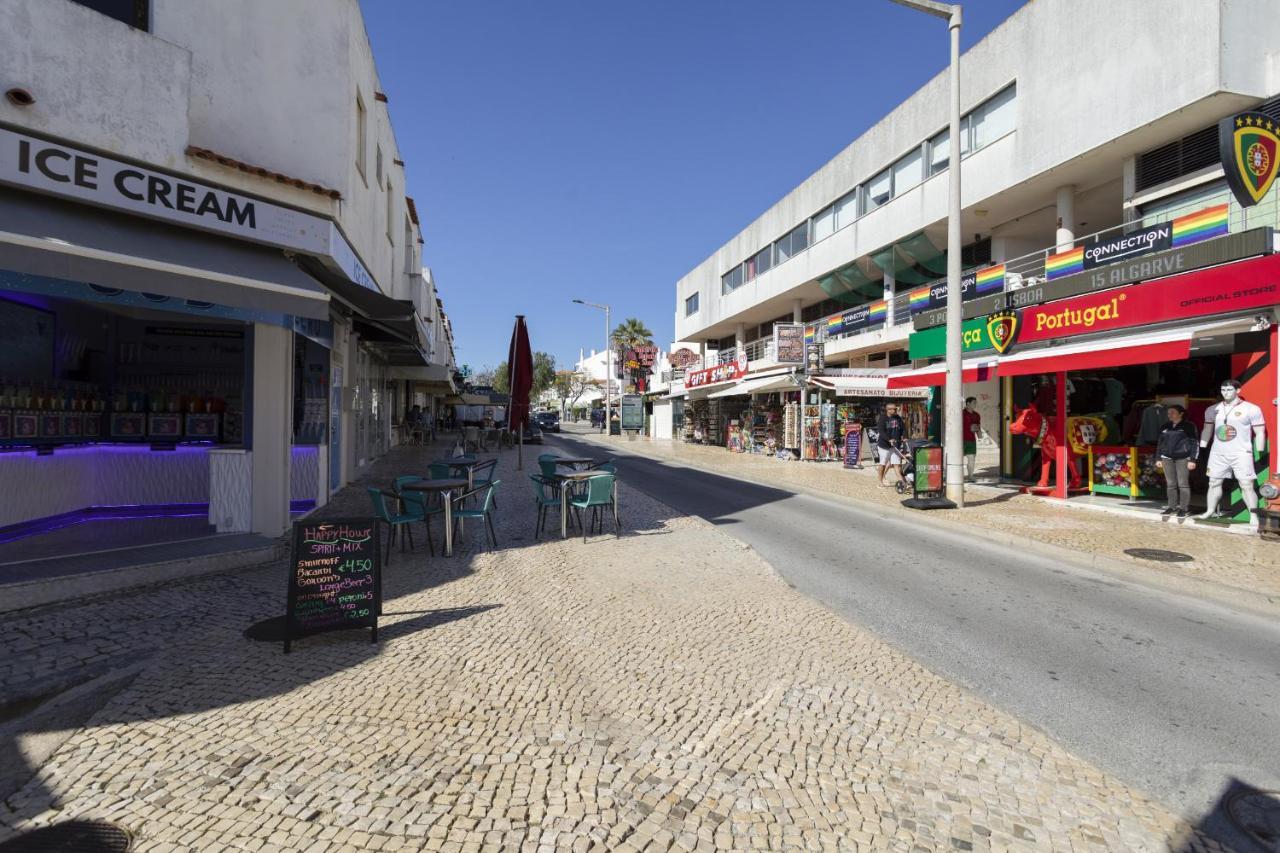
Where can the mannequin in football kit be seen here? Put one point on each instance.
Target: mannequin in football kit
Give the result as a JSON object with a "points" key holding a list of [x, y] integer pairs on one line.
{"points": [[1237, 429]]}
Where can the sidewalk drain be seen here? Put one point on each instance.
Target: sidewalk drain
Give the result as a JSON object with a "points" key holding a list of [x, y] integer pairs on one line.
{"points": [[77, 836], [1258, 814], [1158, 555]]}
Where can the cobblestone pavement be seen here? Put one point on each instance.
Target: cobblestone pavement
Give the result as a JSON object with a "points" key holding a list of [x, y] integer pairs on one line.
{"points": [[664, 690], [1243, 562]]}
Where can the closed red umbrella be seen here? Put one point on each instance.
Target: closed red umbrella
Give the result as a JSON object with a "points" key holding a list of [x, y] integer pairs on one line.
{"points": [[519, 382]]}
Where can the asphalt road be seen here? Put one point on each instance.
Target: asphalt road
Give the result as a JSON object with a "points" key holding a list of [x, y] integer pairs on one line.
{"points": [[1174, 695]]}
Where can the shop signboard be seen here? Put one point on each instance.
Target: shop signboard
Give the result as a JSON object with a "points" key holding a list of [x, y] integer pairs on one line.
{"points": [[1249, 145], [857, 319], [335, 578], [727, 372], [1225, 250], [815, 356], [1236, 287], [928, 474], [932, 343], [973, 285], [788, 343], [1102, 251], [852, 444], [632, 412], [56, 168]]}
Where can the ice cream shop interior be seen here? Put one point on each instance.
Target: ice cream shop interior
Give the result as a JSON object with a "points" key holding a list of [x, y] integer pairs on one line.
{"points": [[118, 415]]}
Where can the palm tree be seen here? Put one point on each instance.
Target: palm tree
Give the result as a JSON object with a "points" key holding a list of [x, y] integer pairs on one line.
{"points": [[632, 333]]}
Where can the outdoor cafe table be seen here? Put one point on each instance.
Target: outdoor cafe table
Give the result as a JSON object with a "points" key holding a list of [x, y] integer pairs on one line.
{"points": [[446, 488], [572, 462], [577, 476], [461, 463]]}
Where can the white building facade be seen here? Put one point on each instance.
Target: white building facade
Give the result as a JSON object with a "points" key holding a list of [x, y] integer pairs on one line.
{"points": [[1084, 123], [207, 202]]}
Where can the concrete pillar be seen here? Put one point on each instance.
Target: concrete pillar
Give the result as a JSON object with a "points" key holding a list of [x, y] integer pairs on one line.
{"points": [[1066, 217], [740, 336], [797, 311], [272, 415]]}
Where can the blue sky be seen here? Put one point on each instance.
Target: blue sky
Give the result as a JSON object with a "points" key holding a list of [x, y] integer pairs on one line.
{"points": [[601, 149]]}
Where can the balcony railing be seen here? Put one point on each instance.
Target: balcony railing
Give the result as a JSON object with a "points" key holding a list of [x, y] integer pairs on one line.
{"points": [[1030, 269]]}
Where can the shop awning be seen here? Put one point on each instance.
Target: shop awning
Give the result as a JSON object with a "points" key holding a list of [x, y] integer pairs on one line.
{"points": [[974, 370], [758, 385], [866, 386], [1138, 348], [45, 237]]}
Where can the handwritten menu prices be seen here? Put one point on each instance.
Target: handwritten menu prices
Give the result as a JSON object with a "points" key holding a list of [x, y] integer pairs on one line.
{"points": [[335, 578]]}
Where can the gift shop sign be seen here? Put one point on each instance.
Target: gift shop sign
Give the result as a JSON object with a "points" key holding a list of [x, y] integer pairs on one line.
{"points": [[727, 372], [1237, 287]]}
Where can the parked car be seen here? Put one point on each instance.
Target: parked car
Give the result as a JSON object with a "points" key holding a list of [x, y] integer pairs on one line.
{"points": [[549, 421], [533, 433]]}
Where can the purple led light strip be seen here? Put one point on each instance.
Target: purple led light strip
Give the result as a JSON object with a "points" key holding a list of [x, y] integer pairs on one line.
{"points": [[127, 512]]}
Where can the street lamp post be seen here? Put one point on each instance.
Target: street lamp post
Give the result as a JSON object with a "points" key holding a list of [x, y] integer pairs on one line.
{"points": [[608, 361], [953, 438]]}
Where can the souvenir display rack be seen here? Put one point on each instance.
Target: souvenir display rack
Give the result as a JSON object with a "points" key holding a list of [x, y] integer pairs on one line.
{"points": [[1124, 470]]}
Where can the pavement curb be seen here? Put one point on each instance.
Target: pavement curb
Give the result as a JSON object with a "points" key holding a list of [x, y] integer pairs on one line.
{"points": [[1132, 571]]}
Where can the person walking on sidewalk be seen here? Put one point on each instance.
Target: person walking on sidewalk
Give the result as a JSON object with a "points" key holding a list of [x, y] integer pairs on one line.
{"points": [[1176, 452], [972, 423], [891, 429]]}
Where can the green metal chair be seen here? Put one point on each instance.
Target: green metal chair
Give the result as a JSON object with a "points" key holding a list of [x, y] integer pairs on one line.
{"points": [[394, 521], [483, 512], [597, 495], [418, 502], [547, 464], [546, 495], [439, 471]]}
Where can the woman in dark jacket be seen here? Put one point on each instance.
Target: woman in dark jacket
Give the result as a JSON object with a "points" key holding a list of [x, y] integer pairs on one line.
{"points": [[1176, 453]]}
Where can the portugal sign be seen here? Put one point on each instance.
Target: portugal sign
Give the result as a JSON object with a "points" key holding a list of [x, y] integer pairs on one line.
{"points": [[1249, 144], [1002, 329]]}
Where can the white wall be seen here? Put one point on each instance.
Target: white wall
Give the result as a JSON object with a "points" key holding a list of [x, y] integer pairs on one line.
{"points": [[272, 84]]}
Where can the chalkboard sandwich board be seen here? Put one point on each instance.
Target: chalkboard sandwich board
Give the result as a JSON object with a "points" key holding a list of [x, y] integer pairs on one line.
{"points": [[335, 578]]}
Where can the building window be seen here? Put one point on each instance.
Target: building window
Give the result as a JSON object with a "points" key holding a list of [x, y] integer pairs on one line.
{"points": [[879, 190], [824, 224], [908, 172], [732, 280], [691, 305], [939, 152], [764, 260], [792, 243], [362, 133], [377, 172], [993, 119], [408, 247], [135, 13], [391, 211], [847, 210]]}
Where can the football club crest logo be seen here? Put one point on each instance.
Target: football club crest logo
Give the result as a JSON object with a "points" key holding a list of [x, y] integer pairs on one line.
{"points": [[1249, 144], [1002, 328]]}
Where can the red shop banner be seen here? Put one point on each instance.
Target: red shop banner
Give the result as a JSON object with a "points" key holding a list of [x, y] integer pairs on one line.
{"points": [[726, 372], [1221, 290]]}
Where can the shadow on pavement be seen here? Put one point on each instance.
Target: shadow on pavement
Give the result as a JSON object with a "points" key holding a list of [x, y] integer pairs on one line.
{"points": [[1245, 819]]}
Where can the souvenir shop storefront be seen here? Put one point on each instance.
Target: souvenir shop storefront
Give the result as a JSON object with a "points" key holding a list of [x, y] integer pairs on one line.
{"points": [[1113, 362], [843, 406], [745, 415]]}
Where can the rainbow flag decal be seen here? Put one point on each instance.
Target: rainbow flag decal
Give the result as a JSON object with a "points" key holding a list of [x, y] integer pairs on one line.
{"points": [[834, 323], [919, 299], [1203, 225], [1064, 263], [810, 332], [877, 313], [991, 280]]}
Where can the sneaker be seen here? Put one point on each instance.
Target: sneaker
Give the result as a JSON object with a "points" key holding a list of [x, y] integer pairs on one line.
{"points": [[1182, 513], [1169, 511]]}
